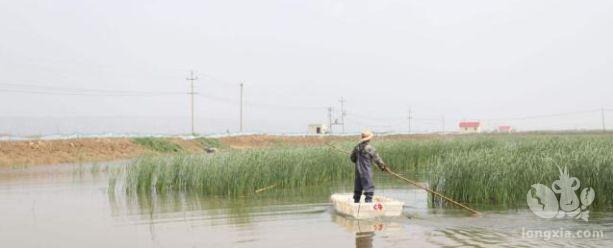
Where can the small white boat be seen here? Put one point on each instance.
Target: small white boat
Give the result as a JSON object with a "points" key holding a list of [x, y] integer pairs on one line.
{"points": [[380, 206]]}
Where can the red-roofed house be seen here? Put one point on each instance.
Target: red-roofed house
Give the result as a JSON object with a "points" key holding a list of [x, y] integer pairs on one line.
{"points": [[470, 126], [505, 129]]}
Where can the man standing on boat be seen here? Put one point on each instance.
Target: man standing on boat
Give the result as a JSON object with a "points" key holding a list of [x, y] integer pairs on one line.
{"points": [[363, 155]]}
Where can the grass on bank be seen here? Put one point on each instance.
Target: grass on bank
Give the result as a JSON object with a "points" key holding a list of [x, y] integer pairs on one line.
{"points": [[157, 144], [210, 143], [166, 145]]}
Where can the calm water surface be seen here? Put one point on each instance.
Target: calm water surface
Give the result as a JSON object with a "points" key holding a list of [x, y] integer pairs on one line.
{"points": [[71, 206]]}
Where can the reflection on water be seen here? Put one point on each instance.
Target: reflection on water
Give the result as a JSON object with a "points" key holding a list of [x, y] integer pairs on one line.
{"points": [[365, 230], [239, 210], [364, 239], [73, 207]]}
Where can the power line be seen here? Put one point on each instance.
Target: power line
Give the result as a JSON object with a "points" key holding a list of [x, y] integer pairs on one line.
{"points": [[543, 116], [216, 98], [258, 105], [39, 92], [222, 82], [374, 117], [371, 124], [37, 89], [293, 107], [64, 91], [44, 89]]}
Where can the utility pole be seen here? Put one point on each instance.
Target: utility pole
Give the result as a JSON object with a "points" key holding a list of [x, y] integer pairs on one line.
{"points": [[443, 123], [343, 113], [410, 117], [330, 119], [241, 108], [192, 78], [604, 129]]}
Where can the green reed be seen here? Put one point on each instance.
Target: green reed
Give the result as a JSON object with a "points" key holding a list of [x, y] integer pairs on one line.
{"points": [[238, 172], [493, 170], [499, 170]]}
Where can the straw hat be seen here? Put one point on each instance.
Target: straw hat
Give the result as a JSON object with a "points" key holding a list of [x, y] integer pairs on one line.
{"points": [[366, 135]]}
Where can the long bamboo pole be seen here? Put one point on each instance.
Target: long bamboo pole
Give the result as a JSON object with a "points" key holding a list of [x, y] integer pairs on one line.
{"points": [[265, 188], [388, 170]]}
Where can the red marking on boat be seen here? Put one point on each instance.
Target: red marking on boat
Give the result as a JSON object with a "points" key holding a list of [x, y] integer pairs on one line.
{"points": [[378, 206]]}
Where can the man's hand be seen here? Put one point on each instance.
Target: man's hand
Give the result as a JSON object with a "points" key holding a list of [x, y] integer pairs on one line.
{"points": [[383, 167]]}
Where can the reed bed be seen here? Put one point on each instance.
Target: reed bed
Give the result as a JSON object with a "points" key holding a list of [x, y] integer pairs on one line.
{"points": [[499, 171], [493, 170], [238, 172]]}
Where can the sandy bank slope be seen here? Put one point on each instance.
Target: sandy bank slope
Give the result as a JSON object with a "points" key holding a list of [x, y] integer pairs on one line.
{"points": [[67, 151], [35, 152]]}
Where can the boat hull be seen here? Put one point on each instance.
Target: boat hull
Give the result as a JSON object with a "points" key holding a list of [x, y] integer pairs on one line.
{"points": [[381, 206]]}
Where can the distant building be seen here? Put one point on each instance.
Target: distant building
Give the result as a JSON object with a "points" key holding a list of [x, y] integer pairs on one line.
{"points": [[505, 129], [318, 129], [470, 127]]}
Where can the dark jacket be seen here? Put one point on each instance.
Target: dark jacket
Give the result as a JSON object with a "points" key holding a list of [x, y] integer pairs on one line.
{"points": [[364, 155]]}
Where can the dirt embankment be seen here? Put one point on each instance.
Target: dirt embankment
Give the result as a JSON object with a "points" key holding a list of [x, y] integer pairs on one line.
{"points": [[39, 152], [259, 141], [34, 152]]}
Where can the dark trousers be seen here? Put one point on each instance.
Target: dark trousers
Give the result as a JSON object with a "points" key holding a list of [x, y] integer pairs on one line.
{"points": [[363, 184]]}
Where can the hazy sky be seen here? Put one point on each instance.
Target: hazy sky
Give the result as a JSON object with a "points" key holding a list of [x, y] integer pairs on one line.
{"points": [[494, 61]]}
